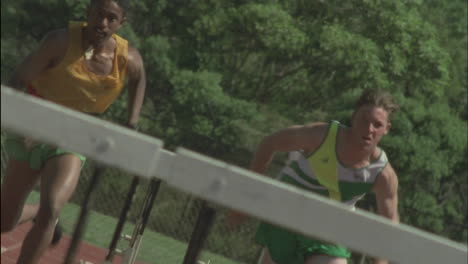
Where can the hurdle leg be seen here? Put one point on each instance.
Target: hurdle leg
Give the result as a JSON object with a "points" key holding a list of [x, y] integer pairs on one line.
{"points": [[83, 217], [129, 255], [199, 234], [122, 218], [142, 221]]}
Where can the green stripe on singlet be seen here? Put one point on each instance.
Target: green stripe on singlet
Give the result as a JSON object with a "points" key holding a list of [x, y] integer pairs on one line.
{"points": [[348, 189], [351, 189], [288, 179], [295, 166]]}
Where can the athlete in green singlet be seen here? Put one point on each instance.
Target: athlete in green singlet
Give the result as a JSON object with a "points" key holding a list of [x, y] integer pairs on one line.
{"points": [[332, 160]]}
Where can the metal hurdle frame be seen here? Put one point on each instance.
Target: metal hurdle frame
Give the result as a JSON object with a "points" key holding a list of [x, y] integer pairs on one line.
{"points": [[122, 218], [200, 233], [227, 185], [83, 217], [103, 141]]}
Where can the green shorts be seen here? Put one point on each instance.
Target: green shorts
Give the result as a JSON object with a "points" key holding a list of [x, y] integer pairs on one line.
{"points": [[286, 247], [35, 156]]}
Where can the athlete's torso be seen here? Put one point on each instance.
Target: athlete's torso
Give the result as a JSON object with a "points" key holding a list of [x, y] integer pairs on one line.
{"points": [[76, 83], [323, 173]]}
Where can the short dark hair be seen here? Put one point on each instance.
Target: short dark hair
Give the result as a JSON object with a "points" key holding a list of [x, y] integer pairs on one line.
{"points": [[124, 4], [378, 98]]}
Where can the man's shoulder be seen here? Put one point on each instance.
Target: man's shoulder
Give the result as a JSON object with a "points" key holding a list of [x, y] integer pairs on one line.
{"points": [[53, 46], [387, 181], [318, 126], [57, 35], [135, 61], [55, 42], [317, 129], [317, 132], [389, 170]]}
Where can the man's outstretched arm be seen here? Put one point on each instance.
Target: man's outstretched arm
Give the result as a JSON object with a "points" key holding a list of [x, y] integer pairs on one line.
{"points": [[386, 192]]}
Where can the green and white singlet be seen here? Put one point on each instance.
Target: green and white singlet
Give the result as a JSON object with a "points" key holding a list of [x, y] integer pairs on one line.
{"points": [[321, 173]]}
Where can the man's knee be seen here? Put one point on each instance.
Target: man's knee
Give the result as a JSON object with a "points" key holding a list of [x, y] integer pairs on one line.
{"points": [[48, 214], [266, 258]]}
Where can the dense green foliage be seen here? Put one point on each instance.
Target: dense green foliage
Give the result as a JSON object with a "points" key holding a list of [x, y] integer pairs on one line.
{"points": [[221, 74]]}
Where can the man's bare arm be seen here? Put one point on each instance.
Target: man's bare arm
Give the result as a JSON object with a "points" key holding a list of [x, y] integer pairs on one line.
{"points": [[306, 138], [386, 191], [42, 58]]}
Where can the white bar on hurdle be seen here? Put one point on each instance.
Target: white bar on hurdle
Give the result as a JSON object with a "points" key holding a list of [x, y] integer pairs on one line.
{"points": [[166, 161], [224, 184], [307, 213], [100, 140]]}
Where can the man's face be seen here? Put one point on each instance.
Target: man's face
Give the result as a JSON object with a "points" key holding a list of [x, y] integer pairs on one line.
{"points": [[105, 17], [369, 124]]}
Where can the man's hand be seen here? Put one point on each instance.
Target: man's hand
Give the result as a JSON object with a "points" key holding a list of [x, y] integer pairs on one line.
{"points": [[132, 126]]}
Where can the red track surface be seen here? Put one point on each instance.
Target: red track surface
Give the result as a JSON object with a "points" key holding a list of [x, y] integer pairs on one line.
{"points": [[12, 243]]}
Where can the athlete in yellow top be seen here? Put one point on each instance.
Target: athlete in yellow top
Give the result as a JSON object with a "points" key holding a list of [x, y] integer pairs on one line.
{"points": [[332, 160], [83, 67]]}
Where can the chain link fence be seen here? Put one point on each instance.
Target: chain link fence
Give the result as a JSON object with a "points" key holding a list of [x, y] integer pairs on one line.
{"points": [[170, 226], [173, 215]]}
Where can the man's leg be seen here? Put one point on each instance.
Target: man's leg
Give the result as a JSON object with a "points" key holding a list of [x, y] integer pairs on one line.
{"points": [[59, 178], [19, 180], [29, 212], [266, 258], [325, 259]]}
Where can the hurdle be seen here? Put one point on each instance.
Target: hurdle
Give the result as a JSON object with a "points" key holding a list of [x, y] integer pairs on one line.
{"points": [[109, 148], [227, 185]]}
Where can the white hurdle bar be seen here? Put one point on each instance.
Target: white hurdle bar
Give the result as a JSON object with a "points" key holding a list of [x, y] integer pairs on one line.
{"points": [[227, 185], [108, 143]]}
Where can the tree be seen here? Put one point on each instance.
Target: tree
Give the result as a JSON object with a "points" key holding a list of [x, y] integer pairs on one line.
{"points": [[222, 74]]}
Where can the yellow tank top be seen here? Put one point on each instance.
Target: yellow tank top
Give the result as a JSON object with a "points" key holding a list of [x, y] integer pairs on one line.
{"points": [[71, 84]]}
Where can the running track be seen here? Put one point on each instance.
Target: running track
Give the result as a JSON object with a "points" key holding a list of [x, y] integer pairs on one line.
{"points": [[87, 253]]}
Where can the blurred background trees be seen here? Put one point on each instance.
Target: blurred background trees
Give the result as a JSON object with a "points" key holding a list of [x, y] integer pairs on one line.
{"points": [[222, 74]]}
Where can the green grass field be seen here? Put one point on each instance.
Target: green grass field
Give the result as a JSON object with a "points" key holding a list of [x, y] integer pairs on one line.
{"points": [[155, 248]]}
